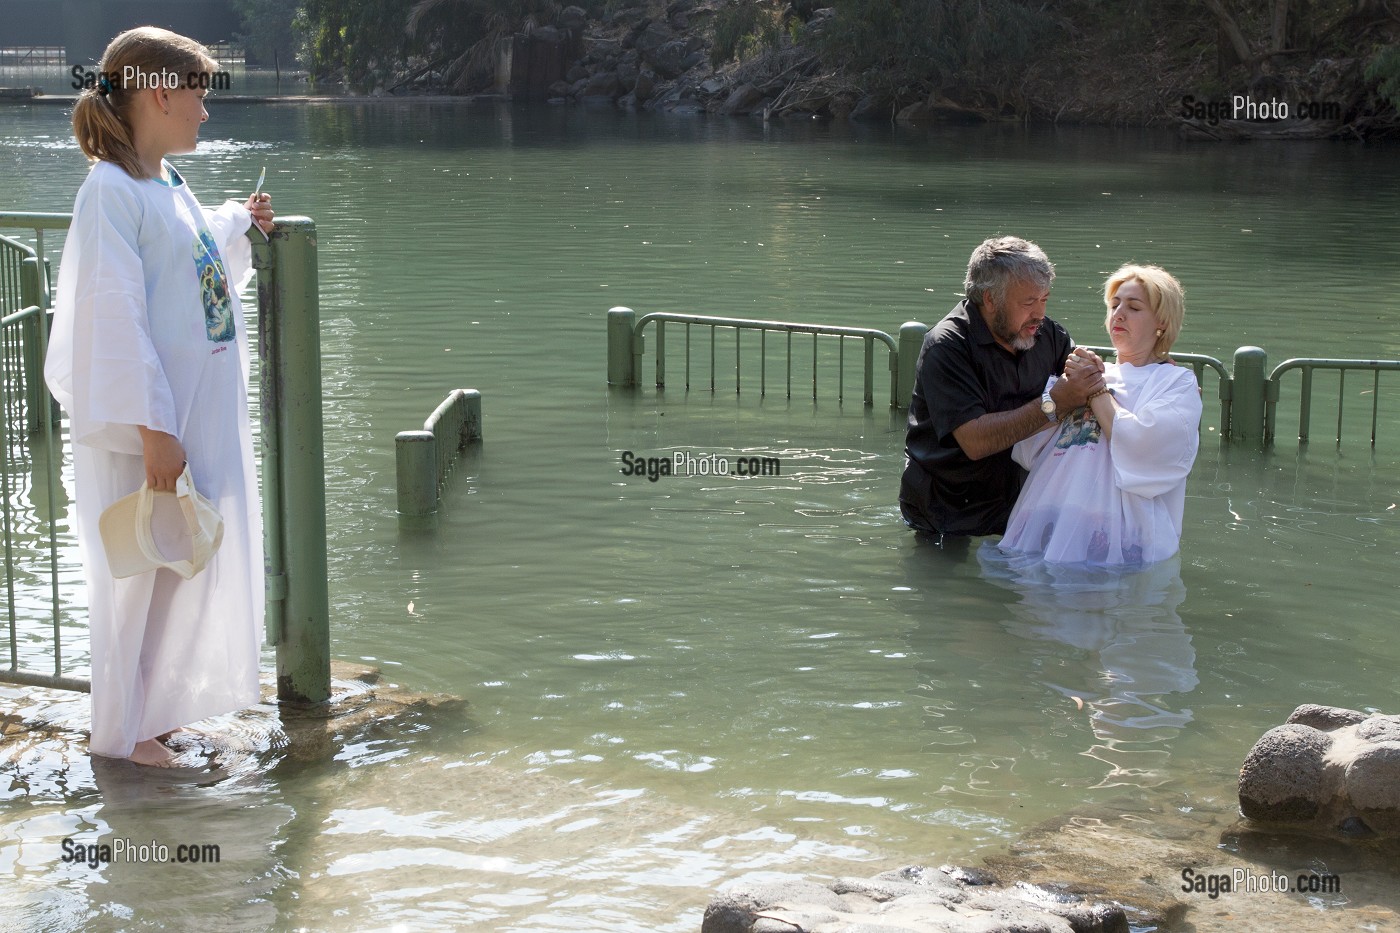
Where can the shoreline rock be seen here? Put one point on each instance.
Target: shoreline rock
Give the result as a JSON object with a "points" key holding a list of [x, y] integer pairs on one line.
{"points": [[1326, 770], [914, 899]]}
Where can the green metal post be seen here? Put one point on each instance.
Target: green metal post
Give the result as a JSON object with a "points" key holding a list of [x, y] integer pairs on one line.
{"points": [[416, 459], [1248, 396], [621, 370], [290, 331], [36, 393], [471, 427], [911, 341]]}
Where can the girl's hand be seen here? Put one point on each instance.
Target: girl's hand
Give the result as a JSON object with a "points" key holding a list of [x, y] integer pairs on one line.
{"points": [[165, 459], [260, 206]]}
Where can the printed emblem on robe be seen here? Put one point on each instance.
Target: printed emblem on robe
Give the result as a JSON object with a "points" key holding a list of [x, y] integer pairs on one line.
{"points": [[213, 289], [1079, 429]]}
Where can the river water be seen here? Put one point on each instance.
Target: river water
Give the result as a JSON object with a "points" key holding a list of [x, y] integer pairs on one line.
{"points": [[673, 684]]}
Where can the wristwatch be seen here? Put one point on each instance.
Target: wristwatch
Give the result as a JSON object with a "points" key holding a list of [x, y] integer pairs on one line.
{"points": [[1047, 404]]}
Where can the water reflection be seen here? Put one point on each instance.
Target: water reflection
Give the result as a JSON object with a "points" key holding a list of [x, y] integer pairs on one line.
{"points": [[1130, 621]]}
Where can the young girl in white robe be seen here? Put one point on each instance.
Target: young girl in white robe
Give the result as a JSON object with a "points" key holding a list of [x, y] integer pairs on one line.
{"points": [[149, 358], [1107, 484]]}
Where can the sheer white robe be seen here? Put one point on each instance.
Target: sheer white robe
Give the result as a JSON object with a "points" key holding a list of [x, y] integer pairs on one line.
{"points": [[148, 330], [1090, 499]]}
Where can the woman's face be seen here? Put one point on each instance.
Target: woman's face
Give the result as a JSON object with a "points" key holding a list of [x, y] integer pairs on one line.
{"points": [[1132, 324]]}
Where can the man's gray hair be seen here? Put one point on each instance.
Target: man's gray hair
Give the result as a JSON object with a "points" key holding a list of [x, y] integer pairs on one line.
{"points": [[1000, 261]]}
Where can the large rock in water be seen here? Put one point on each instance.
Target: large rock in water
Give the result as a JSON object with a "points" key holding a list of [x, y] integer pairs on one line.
{"points": [[910, 900], [1326, 769]]}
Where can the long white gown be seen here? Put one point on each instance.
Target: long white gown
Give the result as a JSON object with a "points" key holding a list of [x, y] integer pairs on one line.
{"points": [[148, 330], [1111, 501]]}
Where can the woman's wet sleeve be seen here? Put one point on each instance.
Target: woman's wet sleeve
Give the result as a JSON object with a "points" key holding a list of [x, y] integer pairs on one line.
{"points": [[1154, 446]]}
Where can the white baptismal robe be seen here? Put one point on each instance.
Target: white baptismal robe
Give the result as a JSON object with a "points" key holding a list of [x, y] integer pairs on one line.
{"points": [[1111, 500], [148, 330]]}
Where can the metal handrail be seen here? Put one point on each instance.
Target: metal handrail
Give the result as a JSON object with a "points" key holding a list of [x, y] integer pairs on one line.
{"points": [[1307, 365], [867, 335]]}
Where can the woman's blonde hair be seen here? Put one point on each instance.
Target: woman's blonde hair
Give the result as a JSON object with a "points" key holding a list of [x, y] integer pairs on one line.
{"points": [[102, 116], [1164, 294]]}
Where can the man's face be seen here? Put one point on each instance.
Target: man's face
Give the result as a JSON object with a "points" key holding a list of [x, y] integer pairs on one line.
{"points": [[1015, 321]]}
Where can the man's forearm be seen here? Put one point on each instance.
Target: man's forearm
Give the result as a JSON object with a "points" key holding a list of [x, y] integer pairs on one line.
{"points": [[998, 430]]}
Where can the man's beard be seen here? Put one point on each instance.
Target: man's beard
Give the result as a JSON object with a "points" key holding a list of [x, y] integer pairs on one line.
{"points": [[1006, 335]]}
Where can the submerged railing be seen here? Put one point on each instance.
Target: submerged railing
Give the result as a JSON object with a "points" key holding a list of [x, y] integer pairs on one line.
{"points": [[298, 611], [1307, 367], [1248, 397], [423, 459], [626, 344]]}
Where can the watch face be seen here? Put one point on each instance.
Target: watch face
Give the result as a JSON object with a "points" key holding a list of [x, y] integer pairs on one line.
{"points": [[1047, 406]]}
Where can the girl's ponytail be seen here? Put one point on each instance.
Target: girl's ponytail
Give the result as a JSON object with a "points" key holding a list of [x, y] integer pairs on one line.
{"points": [[101, 131]]}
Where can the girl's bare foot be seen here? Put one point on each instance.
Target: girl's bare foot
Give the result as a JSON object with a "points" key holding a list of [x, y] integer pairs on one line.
{"points": [[152, 753]]}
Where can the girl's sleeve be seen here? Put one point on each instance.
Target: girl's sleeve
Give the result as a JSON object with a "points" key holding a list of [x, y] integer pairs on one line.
{"points": [[229, 224], [102, 365], [1154, 447]]}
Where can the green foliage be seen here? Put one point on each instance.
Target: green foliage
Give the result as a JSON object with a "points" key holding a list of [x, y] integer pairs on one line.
{"points": [[745, 26], [364, 40], [269, 32], [1384, 69], [937, 42]]}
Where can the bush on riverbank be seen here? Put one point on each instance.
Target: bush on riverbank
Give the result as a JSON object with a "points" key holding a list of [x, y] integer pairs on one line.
{"points": [[1085, 61]]}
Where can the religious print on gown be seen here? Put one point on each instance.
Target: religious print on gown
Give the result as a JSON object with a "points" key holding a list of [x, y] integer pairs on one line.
{"points": [[148, 330], [1119, 500]]}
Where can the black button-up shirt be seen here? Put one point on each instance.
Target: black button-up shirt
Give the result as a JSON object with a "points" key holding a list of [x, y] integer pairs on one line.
{"points": [[963, 374]]}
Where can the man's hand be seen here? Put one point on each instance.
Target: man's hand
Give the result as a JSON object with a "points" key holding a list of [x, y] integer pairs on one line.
{"points": [[1083, 376], [165, 459]]}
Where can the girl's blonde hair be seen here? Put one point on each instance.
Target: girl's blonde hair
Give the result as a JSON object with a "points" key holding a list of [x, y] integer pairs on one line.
{"points": [[1164, 294], [102, 117]]}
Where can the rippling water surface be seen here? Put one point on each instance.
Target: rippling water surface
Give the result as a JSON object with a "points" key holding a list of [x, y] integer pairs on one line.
{"points": [[673, 684]]}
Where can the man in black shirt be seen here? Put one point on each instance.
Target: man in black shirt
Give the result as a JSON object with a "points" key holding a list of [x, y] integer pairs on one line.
{"points": [[982, 385]]}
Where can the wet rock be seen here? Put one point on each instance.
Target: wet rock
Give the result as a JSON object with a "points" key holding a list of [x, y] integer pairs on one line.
{"points": [[1326, 770], [871, 107], [910, 900], [645, 85], [572, 17], [674, 58], [743, 99], [603, 84]]}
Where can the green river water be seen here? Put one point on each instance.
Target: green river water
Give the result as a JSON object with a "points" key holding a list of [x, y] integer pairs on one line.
{"points": [[670, 685]]}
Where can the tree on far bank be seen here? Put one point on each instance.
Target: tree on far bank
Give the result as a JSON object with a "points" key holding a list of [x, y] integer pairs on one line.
{"points": [[269, 35]]}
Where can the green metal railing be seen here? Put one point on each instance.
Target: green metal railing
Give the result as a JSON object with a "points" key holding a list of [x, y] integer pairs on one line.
{"points": [[1307, 367], [1248, 397], [30, 453], [298, 610], [626, 344], [425, 458]]}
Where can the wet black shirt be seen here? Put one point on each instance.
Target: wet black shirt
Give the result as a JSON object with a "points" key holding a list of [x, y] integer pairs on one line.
{"points": [[963, 374]]}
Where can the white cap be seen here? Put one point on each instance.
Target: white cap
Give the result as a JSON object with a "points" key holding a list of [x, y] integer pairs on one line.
{"points": [[130, 542]]}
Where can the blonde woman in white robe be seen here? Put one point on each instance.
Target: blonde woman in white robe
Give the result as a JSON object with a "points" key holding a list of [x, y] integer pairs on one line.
{"points": [[1107, 484], [149, 358]]}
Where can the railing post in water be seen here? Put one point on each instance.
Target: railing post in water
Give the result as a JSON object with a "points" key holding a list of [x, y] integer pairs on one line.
{"points": [[416, 458], [911, 341], [1248, 395], [294, 483], [37, 402], [622, 370]]}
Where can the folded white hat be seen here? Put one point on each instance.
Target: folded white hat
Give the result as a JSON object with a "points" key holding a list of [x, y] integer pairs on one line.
{"points": [[130, 541]]}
